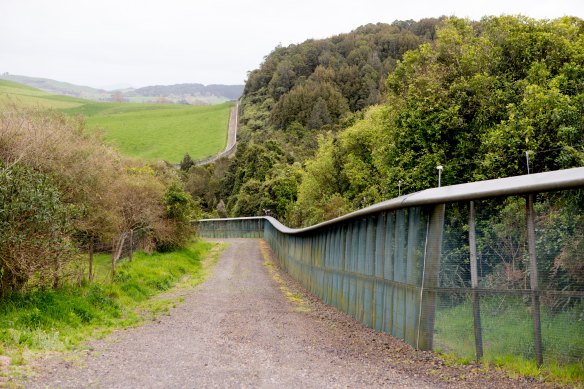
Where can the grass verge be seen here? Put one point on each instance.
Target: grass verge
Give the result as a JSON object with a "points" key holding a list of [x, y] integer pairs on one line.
{"points": [[58, 320]]}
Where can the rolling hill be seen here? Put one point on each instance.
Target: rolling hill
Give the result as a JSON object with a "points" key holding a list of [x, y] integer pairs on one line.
{"points": [[192, 93], [148, 131]]}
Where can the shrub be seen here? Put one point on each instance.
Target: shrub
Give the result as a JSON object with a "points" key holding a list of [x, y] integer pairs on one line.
{"points": [[35, 226]]}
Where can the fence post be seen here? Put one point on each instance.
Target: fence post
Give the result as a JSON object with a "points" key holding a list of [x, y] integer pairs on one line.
{"points": [[474, 281], [430, 277], [533, 278]]}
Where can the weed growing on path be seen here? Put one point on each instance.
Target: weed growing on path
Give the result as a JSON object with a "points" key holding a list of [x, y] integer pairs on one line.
{"points": [[295, 298]]}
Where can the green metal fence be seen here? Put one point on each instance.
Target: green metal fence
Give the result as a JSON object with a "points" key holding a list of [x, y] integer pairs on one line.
{"points": [[481, 269]]}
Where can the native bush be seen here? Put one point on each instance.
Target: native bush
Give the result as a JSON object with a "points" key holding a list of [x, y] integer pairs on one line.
{"points": [[36, 227]]}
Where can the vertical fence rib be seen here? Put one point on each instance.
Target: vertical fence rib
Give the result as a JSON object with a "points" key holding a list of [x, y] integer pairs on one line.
{"points": [[430, 281], [474, 280], [533, 278]]}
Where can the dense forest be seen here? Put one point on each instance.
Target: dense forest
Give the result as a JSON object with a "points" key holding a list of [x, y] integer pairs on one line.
{"points": [[299, 93], [329, 126]]}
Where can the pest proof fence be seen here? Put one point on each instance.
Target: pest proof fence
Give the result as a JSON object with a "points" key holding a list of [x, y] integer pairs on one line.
{"points": [[485, 269]]}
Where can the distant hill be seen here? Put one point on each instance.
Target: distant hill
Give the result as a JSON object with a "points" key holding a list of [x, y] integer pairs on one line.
{"points": [[58, 87], [152, 132], [196, 94], [232, 92]]}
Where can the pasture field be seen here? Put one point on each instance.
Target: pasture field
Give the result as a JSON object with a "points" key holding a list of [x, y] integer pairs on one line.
{"points": [[167, 132], [147, 131]]}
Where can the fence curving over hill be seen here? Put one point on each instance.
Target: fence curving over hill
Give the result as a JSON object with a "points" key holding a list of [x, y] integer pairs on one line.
{"points": [[483, 269], [231, 138]]}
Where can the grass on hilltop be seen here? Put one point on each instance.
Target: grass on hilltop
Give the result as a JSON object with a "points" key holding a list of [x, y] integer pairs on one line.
{"points": [[168, 132], [148, 131]]}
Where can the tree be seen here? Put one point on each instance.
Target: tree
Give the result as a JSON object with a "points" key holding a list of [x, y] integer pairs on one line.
{"points": [[35, 225], [186, 163], [319, 115], [117, 96]]}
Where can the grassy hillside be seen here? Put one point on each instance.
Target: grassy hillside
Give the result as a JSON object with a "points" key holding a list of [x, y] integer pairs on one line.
{"points": [[148, 131], [166, 132], [23, 95]]}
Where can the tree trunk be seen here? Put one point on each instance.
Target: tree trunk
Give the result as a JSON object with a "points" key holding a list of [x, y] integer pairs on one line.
{"points": [[90, 275], [57, 274], [117, 251], [131, 245]]}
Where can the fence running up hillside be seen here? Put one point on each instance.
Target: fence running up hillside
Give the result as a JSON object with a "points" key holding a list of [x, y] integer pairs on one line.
{"points": [[231, 145], [485, 269]]}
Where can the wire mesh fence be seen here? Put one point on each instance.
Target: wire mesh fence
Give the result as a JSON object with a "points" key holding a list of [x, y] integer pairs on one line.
{"points": [[488, 278], [517, 307]]}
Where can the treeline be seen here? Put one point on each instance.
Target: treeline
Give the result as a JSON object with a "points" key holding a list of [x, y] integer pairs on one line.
{"points": [[229, 91], [333, 125], [301, 91], [63, 193], [480, 100]]}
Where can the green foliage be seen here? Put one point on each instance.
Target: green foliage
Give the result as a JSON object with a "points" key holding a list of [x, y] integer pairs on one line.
{"points": [[297, 94], [186, 163], [349, 65], [45, 319], [35, 224], [475, 101], [310, 104], [179, 213], [62, 190]]}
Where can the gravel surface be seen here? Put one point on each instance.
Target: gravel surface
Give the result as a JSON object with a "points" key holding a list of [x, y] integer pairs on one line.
{"points": [[250, 325]]}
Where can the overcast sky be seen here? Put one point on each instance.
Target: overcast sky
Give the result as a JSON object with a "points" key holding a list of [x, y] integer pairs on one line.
{"points": [[145, 42]]}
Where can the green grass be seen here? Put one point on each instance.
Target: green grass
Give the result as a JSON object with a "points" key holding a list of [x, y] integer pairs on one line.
{"points": [[155, 132], [149, 131], [507, 331], [26, 96], [54, 320]]}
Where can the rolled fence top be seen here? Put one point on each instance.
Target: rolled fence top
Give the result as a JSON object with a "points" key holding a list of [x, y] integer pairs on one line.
{"points": [[509, 186]]}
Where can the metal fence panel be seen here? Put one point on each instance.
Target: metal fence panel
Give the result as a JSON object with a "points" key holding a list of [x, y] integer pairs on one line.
{"points": [[451, 269]]}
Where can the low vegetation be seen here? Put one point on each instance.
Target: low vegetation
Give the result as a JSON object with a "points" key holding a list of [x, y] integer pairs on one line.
{"points": [[507, 331], [70, 206], [64, 192], [44, 319], [152, 132]]}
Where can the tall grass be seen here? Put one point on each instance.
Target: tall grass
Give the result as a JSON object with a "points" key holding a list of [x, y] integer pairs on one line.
{"points": [[47, 319]]}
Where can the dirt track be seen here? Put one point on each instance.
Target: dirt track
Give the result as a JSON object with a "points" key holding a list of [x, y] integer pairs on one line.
{"points": [[238, 329]]}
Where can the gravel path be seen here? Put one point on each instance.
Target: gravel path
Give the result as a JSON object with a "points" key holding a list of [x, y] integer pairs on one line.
{"points": [[249, 325]]}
